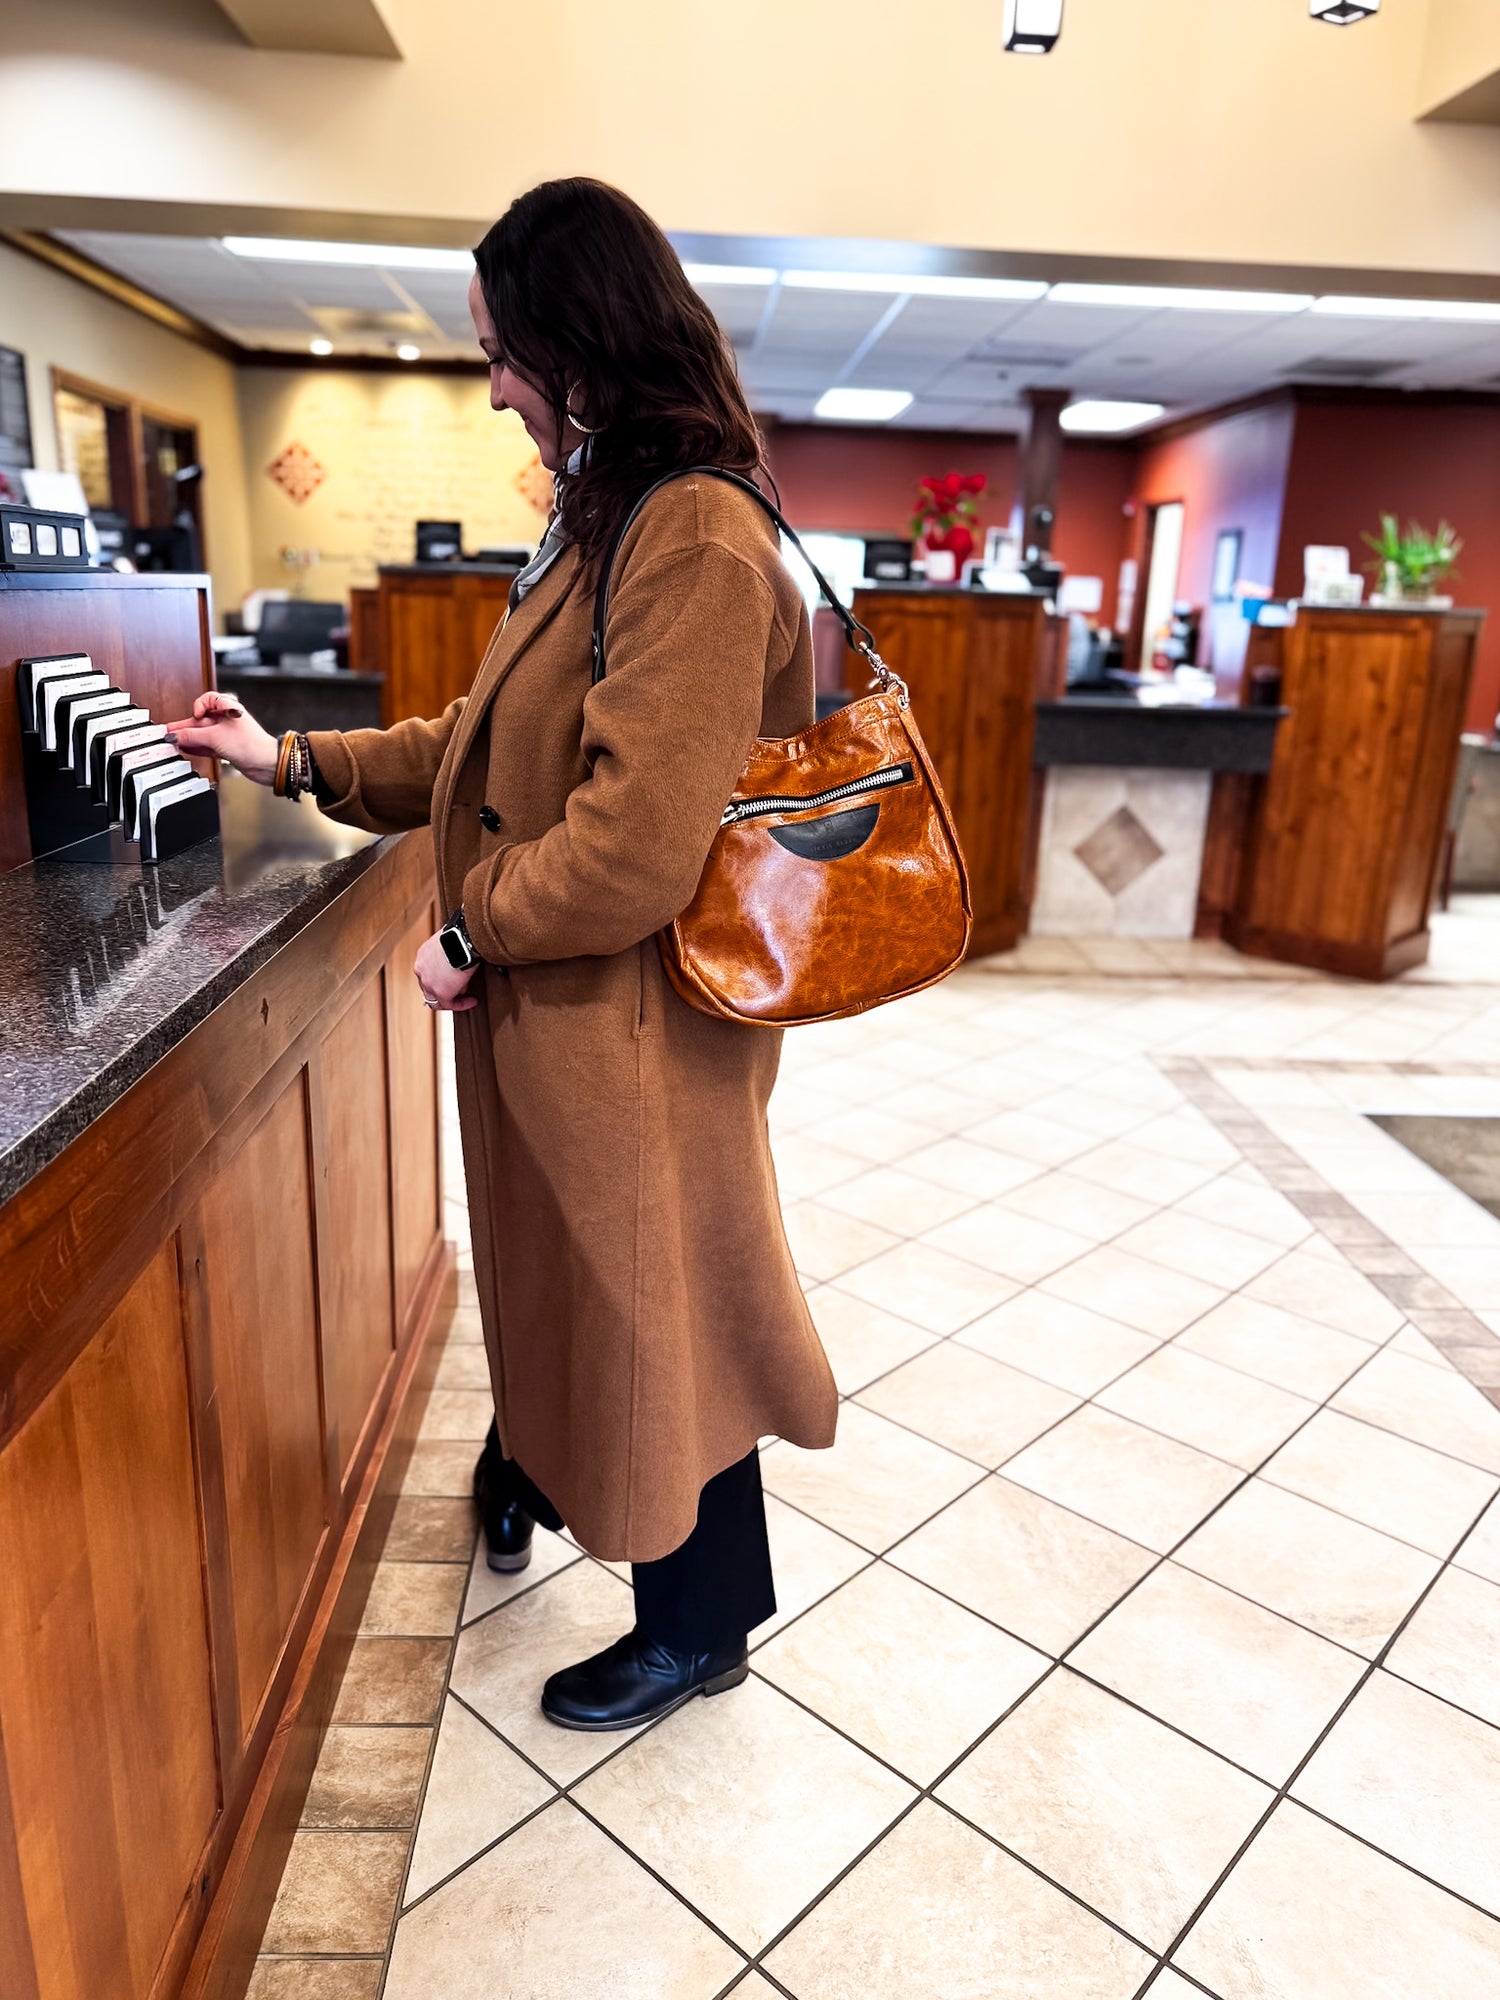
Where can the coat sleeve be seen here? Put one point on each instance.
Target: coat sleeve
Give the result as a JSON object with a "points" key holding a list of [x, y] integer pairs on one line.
{"points": [[382, 779], [666, 735]]}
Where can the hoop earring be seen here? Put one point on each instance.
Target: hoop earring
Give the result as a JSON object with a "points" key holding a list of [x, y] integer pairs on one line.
{"points": [[583, 429]]}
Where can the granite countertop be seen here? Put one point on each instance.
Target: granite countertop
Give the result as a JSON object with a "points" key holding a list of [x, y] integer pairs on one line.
{"points": [[103, 969], [1118, 731]]}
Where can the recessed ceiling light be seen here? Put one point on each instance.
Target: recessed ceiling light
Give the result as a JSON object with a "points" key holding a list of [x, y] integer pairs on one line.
{"points": [[1356, 308], [320, 346], [1032, 26], [863, 406], [921, 286], [729, 274], [1342, 13], [1104, 417], [407, 352], [387, 256], [1180, 298]]}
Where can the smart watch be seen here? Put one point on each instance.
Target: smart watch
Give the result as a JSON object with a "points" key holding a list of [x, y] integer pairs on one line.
{"points": [[458, 946]]}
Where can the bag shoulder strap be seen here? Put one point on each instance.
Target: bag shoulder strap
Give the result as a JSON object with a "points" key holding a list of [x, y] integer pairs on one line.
{"points": [[857, 636]]}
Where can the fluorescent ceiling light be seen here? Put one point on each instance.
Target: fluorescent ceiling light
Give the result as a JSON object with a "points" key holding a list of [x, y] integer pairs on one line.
{"points": [[386, 256], [1342, 13], [1102, 417], [407, 351], [863, 406], [320, 346], [1354, 308], [1032, 27], [729, 274], [1180, 298], [892, 284]]}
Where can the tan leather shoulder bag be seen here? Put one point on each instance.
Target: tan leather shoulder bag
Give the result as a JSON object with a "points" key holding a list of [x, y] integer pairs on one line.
{"points": [[835, 881]]}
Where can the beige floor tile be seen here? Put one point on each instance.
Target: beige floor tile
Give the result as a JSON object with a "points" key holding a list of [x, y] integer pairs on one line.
{"points": [[1432, 1408], [876, 1484], [1026, 1136], [938, 1106], [1418, 1779], [806, 1167], [893, 1199], [1015, 1246], [1417, 1347], [1131, 1817], [1310, 1914], [426, 1528], [1481, 1550], [1334, 1294], [801, 1803], [500, 1663], [1091, 1111], [1218, 1256], [1218, 1410], [479, 1788], [556, 1912], [807, 1561], [414, 1600], [909, 1675], [1452, 1645], [1246, 1683], [1133, 1170], [1170, 1985], [457, 1416], [465, 1329], [1144, 1295], [444, 1470], [393, 1680], [338, 1893], [1039, 1570], [862, 1341], [1063, 1344], [1252, 1207], [938, 1913], [1276, 1346], [877, 1136], [1333, 1575], [1473, 1274], [465, 1365], [824, 1242], [1078, 1205], [1185, 1134], [367, 1778], [928, 1287], [968, 1403], [963, 1167], [315, 1979], [488, 1587], [1147, 1487], [1419, 1496]]}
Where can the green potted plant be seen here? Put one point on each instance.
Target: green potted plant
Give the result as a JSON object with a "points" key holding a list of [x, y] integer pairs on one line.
{"points": [[1408, 568]]}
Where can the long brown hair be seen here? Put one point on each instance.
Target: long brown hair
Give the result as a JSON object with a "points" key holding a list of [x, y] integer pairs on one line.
{"points": [[588, 297]]}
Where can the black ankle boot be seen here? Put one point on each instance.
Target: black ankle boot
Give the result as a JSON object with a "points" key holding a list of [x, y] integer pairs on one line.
{"points": [[637, 1679], [507, 1525]]}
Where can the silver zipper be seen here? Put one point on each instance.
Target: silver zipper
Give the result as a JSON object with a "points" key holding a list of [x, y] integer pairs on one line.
{"points": [[877, 781]]}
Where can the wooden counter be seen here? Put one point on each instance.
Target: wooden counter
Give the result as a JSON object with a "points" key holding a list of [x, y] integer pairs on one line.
{"points": [[1345, 835], [972, 661], [435, 621]]}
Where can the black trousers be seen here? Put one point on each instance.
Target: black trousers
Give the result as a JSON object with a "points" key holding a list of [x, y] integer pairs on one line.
{"points": [[713, 1589]]}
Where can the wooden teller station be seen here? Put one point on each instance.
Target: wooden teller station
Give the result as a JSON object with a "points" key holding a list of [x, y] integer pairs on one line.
{"points": [[220, 1233]]}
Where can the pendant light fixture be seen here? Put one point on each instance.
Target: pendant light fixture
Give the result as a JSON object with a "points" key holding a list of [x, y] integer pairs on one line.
{"points": [[1342, 13], [1033, 26]]}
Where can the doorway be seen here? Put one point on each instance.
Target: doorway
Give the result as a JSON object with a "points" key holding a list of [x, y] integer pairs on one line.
{"points": [[1164, 530]]}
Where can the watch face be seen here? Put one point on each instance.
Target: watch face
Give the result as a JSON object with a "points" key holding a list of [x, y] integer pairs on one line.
{"points": [[454, 951]]}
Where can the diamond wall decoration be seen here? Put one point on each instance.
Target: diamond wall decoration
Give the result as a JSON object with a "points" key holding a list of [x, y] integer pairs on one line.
{"points": [[1119, 851], [297, 472]]}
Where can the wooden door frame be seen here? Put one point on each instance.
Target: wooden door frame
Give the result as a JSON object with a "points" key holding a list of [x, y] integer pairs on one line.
{"points": [[1135, 661]]}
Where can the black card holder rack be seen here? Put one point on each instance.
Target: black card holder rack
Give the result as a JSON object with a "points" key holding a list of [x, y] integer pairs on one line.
{"points": [[103, 782]]}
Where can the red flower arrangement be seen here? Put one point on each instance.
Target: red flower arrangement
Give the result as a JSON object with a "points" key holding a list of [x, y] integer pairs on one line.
{"points": [[947, 513]]}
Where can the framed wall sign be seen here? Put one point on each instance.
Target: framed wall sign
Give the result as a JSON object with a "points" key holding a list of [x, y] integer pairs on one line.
{"points": [[1227, 551], [15, 423]]}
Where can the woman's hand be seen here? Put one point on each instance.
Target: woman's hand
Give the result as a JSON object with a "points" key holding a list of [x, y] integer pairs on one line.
{"points": [[219, 727], [443, 985]]}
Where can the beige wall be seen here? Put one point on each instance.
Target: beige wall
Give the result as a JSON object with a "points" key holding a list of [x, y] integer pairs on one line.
{"points": [[1234, 131], [58, 323], [394, 449]]}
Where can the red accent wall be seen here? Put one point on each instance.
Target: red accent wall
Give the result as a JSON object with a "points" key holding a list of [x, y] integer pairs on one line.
{"points": [[1229, 472], [1351, 462]]}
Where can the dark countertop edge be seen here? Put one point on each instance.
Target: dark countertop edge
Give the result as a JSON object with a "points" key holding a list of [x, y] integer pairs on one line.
{"points": [[447, 569], [1117, 734], [1230, 713], [47, 1140], [320, 676]]}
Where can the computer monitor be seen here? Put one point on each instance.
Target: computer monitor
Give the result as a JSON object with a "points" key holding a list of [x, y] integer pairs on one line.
{"points": [[162, 550], [888, 560], [297, 625], [440, 541]]}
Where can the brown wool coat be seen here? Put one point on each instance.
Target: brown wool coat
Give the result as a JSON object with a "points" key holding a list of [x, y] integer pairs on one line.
{"points": [[643, 1319]]}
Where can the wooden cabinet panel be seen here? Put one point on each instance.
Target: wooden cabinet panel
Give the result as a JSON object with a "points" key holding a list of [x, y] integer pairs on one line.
{"points": [[263, 1334], [434, 632], [104, 1675], [354, 1249], [411, 1038]]}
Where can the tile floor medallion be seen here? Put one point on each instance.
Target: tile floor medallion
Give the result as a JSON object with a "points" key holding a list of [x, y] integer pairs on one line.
{"points": [[1139, 1635]]}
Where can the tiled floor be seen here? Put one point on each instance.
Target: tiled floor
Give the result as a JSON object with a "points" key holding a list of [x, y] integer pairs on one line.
{"points": [[1141, 1630]]}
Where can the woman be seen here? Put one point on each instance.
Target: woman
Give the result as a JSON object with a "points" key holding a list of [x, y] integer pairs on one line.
{"points": [[643, 1320]]}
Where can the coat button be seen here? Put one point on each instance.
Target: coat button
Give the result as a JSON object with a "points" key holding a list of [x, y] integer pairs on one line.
{"points": [[489, 819]]}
